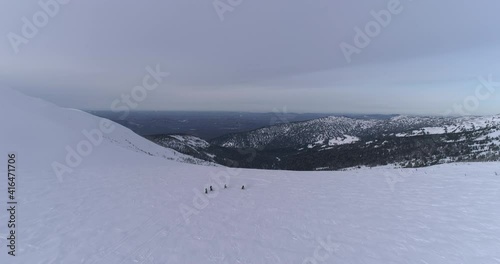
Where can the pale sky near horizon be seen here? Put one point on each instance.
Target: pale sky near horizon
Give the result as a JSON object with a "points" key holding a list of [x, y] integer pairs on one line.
{"points": [[264, 55]]}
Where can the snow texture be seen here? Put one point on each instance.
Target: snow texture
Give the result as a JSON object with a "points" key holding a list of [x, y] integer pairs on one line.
{"points": [[123, 206]]}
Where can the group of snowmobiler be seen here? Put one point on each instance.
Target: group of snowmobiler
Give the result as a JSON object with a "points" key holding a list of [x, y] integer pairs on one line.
{"points": [[225, 187]]}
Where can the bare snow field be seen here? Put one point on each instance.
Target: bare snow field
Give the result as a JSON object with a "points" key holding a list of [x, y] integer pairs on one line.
{"points": [[129, 201]]}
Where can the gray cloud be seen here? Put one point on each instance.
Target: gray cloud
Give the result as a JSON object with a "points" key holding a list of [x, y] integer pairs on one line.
{"points": [[265, 54]]}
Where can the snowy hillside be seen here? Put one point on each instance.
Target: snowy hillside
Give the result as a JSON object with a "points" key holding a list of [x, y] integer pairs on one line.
{"points": [[332, 130], [333, 143], [35, 124], [189, 145], [320, 130], [120, 206], [458, 125]]}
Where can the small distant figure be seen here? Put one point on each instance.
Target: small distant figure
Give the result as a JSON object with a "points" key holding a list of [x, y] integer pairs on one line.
{"points": [[206, 190], [243, 187], [225, 186], [211, 189]]}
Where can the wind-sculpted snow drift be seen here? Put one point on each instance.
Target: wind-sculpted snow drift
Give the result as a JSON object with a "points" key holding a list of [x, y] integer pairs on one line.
{"points": [[124, 206]]}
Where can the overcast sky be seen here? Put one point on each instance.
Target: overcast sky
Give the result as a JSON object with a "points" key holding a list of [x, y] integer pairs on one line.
{"points": [[263, 54]]}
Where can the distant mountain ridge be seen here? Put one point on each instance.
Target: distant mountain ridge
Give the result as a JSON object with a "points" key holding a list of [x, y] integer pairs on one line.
{"points": [[64, 131], [332, 128], [189, 145], [339, 142]]}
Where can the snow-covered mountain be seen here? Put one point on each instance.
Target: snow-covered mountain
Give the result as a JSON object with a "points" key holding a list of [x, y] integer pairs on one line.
{"points": [[123, 206], [458, 125], [343, 130], [334, 143], [190, 145], [32, 124]]}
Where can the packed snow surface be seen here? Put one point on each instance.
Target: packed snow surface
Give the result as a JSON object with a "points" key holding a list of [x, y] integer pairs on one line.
{"points": [[124, 206]]}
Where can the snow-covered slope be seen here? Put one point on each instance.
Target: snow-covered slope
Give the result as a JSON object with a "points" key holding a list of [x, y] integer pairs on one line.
{"points": [[189, 145], [192, 141], [328, 130], [123, 207], [30, 124], [458, 125]]}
